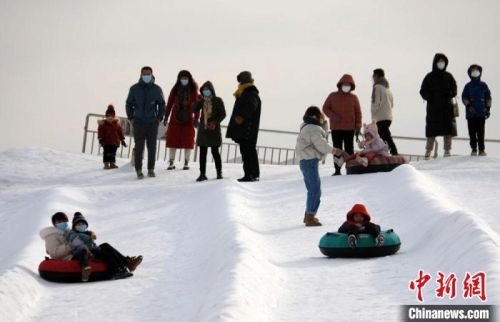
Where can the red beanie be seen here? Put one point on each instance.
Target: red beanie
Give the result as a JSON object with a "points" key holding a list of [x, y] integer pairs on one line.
{"points": [[110, 110]]}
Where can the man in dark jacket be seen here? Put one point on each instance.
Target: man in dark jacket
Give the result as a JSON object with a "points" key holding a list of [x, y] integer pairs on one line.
{"points": [[243, 126], [145, 110], [438, 89]]}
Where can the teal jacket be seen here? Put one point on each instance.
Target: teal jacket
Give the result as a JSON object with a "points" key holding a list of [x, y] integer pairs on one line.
{"points": [[145, 103]]}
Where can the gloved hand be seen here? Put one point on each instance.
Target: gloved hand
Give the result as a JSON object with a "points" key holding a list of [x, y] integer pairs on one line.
{"points": [[124, 144], [196, 123], [101, 142], [239, 120], [357, 133]]}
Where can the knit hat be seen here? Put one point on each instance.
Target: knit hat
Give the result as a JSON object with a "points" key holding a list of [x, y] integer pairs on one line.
{"points": [[78, 217], [379, 72], [110, 110], [244, 77], [360, 209], [59, 216]]}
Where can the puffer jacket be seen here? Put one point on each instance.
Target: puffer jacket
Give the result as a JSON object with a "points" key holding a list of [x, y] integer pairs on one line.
{"points": [[343, 109], [382, 101], [110, 131], [56, 245], [311, 142], [476, 97]]}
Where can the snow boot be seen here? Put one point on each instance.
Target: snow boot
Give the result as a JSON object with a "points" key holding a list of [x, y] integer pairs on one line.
{"points": [[186, 165], [352, 241], [362, 160], [447, 153], [140, 175], [122, 273], [427, 155], [219, 175], [473, 153], [312, 221], [106, 166], [151, 173], [338, 160], [86, 271], [482, 153], [133, 262], [379, 240], [171, 165], [202, 177], [113, 165]]}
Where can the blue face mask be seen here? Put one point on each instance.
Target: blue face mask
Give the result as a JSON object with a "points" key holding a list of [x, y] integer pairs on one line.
{"points": [[207, 93], [62, 226], [184, 81], [81, 228], [146, 78]]}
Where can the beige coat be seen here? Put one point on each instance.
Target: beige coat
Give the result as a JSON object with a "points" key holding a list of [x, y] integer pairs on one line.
{"points": [[311, 142], [55, 243], [383, 103]]}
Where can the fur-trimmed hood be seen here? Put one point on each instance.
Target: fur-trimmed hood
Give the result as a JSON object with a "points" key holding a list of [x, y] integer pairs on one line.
{"points": [[105, 120], [47, 231]]}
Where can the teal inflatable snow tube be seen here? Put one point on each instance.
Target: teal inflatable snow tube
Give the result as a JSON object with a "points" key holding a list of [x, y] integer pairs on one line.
{"points": [[336, 245]]}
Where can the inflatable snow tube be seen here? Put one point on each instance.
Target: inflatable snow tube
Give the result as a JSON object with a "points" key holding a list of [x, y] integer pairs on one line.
{"points": [[336, 245], [70, 272], [377, 164]]}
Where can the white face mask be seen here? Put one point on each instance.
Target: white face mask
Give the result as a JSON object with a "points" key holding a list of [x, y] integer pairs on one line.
{"points": [[184, 81], [346, 88], [475, 73], [441, 65]]}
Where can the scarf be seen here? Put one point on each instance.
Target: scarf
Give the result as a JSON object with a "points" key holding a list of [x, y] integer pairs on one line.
{"points": [[207, 111], [382, 81], [241, 89]]}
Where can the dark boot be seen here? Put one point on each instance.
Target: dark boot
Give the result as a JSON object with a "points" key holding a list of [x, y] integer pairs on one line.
{"points": [[202, 177], [133, 262]]}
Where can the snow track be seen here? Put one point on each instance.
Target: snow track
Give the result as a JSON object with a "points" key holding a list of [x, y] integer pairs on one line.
{"points": [[225, 251]]}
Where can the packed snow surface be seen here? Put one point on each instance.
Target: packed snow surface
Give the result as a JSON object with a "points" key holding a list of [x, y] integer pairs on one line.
{"points": [[226, 251]]}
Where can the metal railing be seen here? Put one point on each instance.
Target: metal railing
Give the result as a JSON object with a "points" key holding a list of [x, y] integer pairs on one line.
{"points": [[229, 151]]}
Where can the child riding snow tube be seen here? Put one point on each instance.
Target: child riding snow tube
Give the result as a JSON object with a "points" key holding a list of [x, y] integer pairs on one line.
{"points": [[69, 271], [336, 245], [377, 164]]}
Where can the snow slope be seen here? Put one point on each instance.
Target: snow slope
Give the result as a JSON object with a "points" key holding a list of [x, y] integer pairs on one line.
{"points": [[225, 251]]}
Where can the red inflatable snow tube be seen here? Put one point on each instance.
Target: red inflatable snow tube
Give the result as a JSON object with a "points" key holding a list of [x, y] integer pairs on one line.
{"points": [[377, 164], [70, 272]]}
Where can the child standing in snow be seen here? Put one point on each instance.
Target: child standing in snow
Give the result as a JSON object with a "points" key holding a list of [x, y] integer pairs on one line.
{"points": [[109, 133], [476, 97], [310, 149], [81, 238], [372, 146], [58, 247], [358, 221]]}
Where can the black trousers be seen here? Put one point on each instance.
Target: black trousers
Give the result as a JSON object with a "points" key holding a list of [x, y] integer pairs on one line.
{"points": [[109, 153], [82, 256], [385, 134], [250, 159], [343, 140], [113, 258], [476, 133], [145, 134], [203, 159]]}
